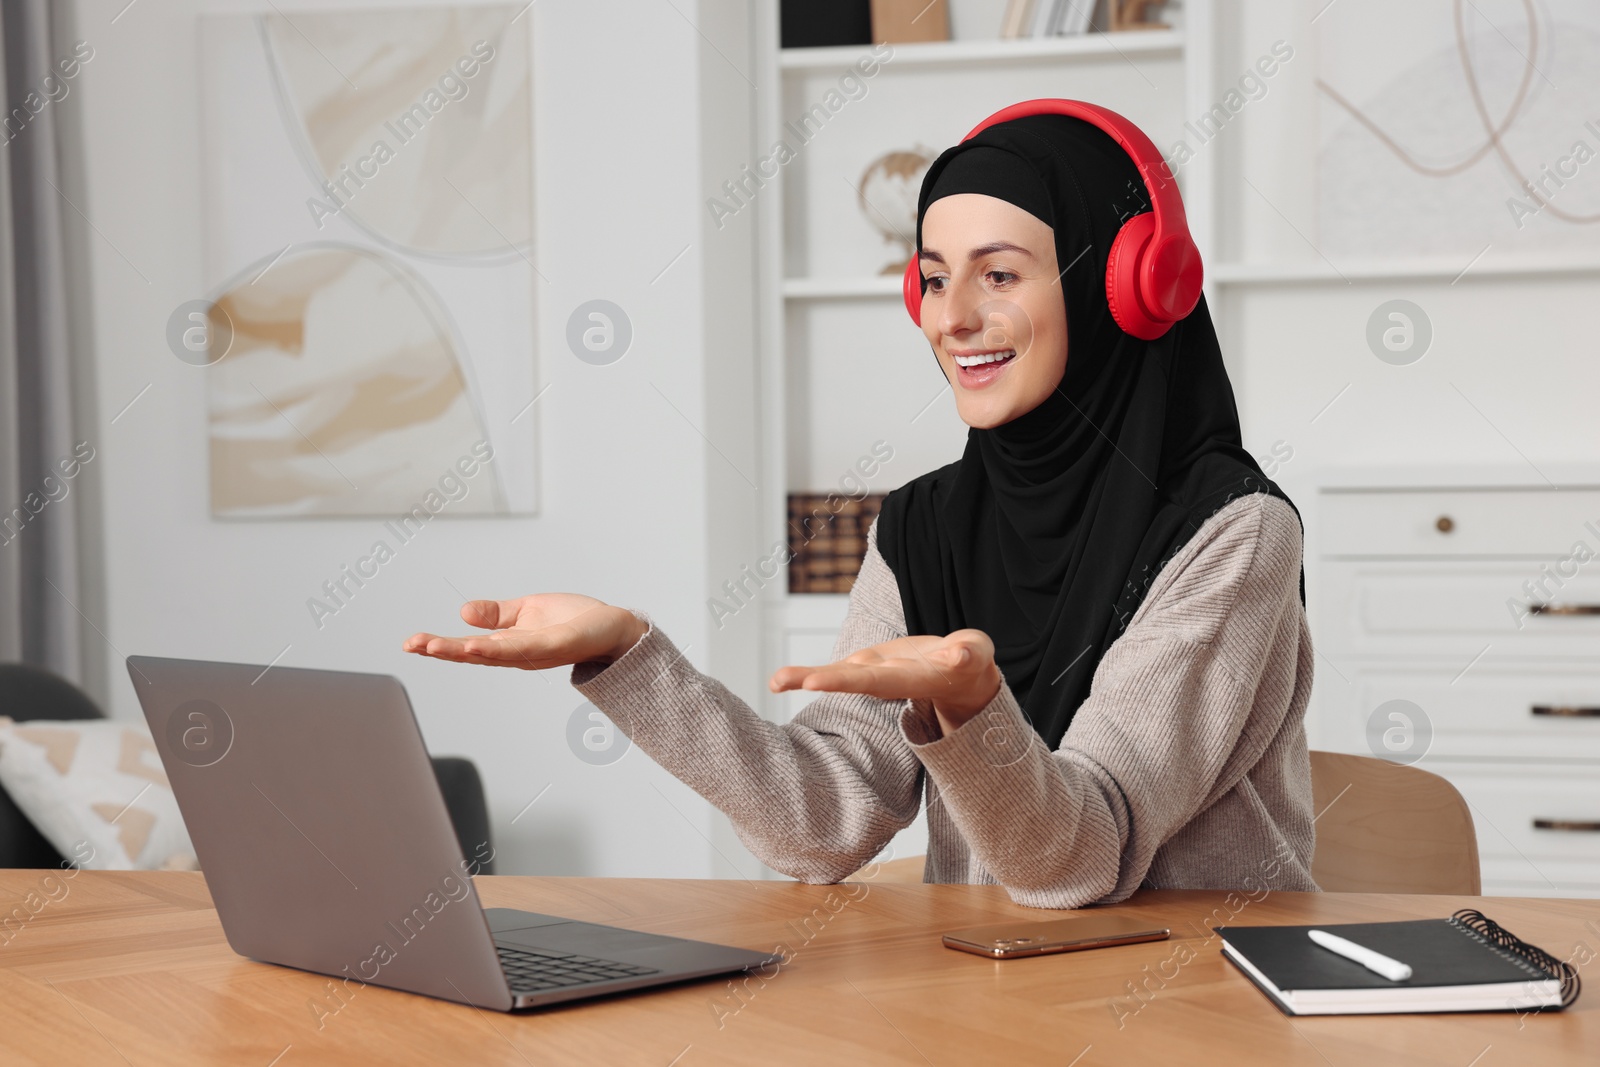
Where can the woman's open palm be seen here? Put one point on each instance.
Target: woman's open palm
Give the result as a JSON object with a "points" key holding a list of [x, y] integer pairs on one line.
{"points": [[536, 632], [957, 673]]}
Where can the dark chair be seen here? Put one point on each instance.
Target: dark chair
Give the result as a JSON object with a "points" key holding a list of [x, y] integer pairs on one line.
{"points": [[31, 693], [469, 812]]}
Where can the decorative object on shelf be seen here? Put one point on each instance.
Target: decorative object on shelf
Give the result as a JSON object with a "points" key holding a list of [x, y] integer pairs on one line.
{"points": [[820, 23], [827, 539], [887, 196], [907, 21], [1136, 15]]}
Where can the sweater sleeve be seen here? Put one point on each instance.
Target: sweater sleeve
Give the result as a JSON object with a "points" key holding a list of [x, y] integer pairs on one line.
{"points": [[1181, 707], [816, 798]]}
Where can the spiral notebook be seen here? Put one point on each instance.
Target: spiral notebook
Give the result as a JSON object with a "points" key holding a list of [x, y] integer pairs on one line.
{"points": [[1464, 963]]}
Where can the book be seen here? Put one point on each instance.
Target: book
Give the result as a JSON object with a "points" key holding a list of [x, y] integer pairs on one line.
{"points": [[1464, 963], [821, 23], [907, 21], [1074, 18], [1044, 13], [1017, 19]]}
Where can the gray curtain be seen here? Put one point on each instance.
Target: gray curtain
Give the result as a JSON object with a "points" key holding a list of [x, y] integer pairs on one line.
{"points": [[47, 493]]}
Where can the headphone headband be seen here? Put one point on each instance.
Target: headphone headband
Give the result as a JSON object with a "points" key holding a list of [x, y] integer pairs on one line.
{"points": [[1153, 169]]}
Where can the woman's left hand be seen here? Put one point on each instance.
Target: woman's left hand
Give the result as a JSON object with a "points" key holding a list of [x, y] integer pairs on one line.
{"points": [[957, 673]]}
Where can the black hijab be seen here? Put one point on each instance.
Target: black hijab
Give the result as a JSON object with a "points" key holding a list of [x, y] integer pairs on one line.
{"points": [[1051, 528]]}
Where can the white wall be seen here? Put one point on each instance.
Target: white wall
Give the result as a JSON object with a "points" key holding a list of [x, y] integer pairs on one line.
{"points": [[629, 488]]}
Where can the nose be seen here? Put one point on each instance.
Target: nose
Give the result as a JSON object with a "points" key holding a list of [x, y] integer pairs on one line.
{"points": [[958, 311]]}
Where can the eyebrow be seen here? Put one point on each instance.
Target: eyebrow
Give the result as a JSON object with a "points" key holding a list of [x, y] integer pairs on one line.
{"points": [[978, 253]]}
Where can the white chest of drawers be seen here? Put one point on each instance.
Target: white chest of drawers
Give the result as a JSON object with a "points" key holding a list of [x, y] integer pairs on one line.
{"points": [[1480, 606]]}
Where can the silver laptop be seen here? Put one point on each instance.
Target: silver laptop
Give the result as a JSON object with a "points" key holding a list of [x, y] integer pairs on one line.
{"points": [[326, 845]]}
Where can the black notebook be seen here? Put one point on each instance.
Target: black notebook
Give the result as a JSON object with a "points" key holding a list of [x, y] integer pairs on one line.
{"points": [[1463, 963]]}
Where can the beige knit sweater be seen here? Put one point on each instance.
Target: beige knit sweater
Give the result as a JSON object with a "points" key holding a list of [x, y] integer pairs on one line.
{"points": [[1185, 768]]}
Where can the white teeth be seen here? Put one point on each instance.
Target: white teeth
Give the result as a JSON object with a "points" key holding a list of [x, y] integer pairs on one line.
{"points": [[991, 357]]}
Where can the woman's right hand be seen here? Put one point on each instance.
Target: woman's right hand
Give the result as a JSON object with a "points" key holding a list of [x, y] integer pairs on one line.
{"points": [[536, 632]]}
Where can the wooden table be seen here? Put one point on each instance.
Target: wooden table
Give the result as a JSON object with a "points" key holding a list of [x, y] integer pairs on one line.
{"points": [[133, 969]]}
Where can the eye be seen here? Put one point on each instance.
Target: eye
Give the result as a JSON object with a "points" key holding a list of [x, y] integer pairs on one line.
{"points": [[934, 283], [1000, 278]]}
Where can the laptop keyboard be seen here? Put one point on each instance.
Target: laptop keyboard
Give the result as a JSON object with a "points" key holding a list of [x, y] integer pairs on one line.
{"points": [[531, 971]]}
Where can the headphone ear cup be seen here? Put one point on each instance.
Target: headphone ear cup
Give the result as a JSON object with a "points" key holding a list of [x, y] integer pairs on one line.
{"points": [[911, 288], [1123, 292], [1176, 276]]}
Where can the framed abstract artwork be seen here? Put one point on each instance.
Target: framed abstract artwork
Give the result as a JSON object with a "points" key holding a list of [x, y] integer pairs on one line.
{"points": [[1457, 128], [368, 210]]}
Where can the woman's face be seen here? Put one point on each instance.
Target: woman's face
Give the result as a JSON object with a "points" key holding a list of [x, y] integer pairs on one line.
{"points": [[992, 308]]}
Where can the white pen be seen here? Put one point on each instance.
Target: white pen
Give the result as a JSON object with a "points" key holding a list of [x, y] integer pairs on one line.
{"points": [[1375, 962]]}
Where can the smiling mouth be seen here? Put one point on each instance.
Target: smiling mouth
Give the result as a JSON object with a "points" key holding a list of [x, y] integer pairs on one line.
{"points": [[986, 358]]}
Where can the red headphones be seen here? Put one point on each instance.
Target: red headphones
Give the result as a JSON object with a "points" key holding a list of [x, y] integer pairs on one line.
{"points": [[1153, 272]]}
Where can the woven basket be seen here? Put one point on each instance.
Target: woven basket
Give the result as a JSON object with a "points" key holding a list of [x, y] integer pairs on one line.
{"points": [[827, 539]]}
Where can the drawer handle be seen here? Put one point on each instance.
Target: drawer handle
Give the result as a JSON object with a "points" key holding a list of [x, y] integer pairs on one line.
{"points": [[1564, 609], [1444, 524], [1564, 711], [1572, 826]]}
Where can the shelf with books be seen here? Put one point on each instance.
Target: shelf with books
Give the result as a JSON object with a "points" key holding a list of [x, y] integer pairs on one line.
{"points": [[1123, 43]]}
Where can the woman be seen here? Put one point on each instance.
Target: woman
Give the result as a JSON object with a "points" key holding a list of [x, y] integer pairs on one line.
{"points": [[1110, 668]]}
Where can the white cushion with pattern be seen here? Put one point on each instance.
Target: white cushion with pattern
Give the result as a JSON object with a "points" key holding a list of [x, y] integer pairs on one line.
{"points": [[96, 791]]}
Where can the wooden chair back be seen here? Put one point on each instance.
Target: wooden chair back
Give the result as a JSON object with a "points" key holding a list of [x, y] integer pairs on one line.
{"points": [[1381, 828], [1387, 828]]}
